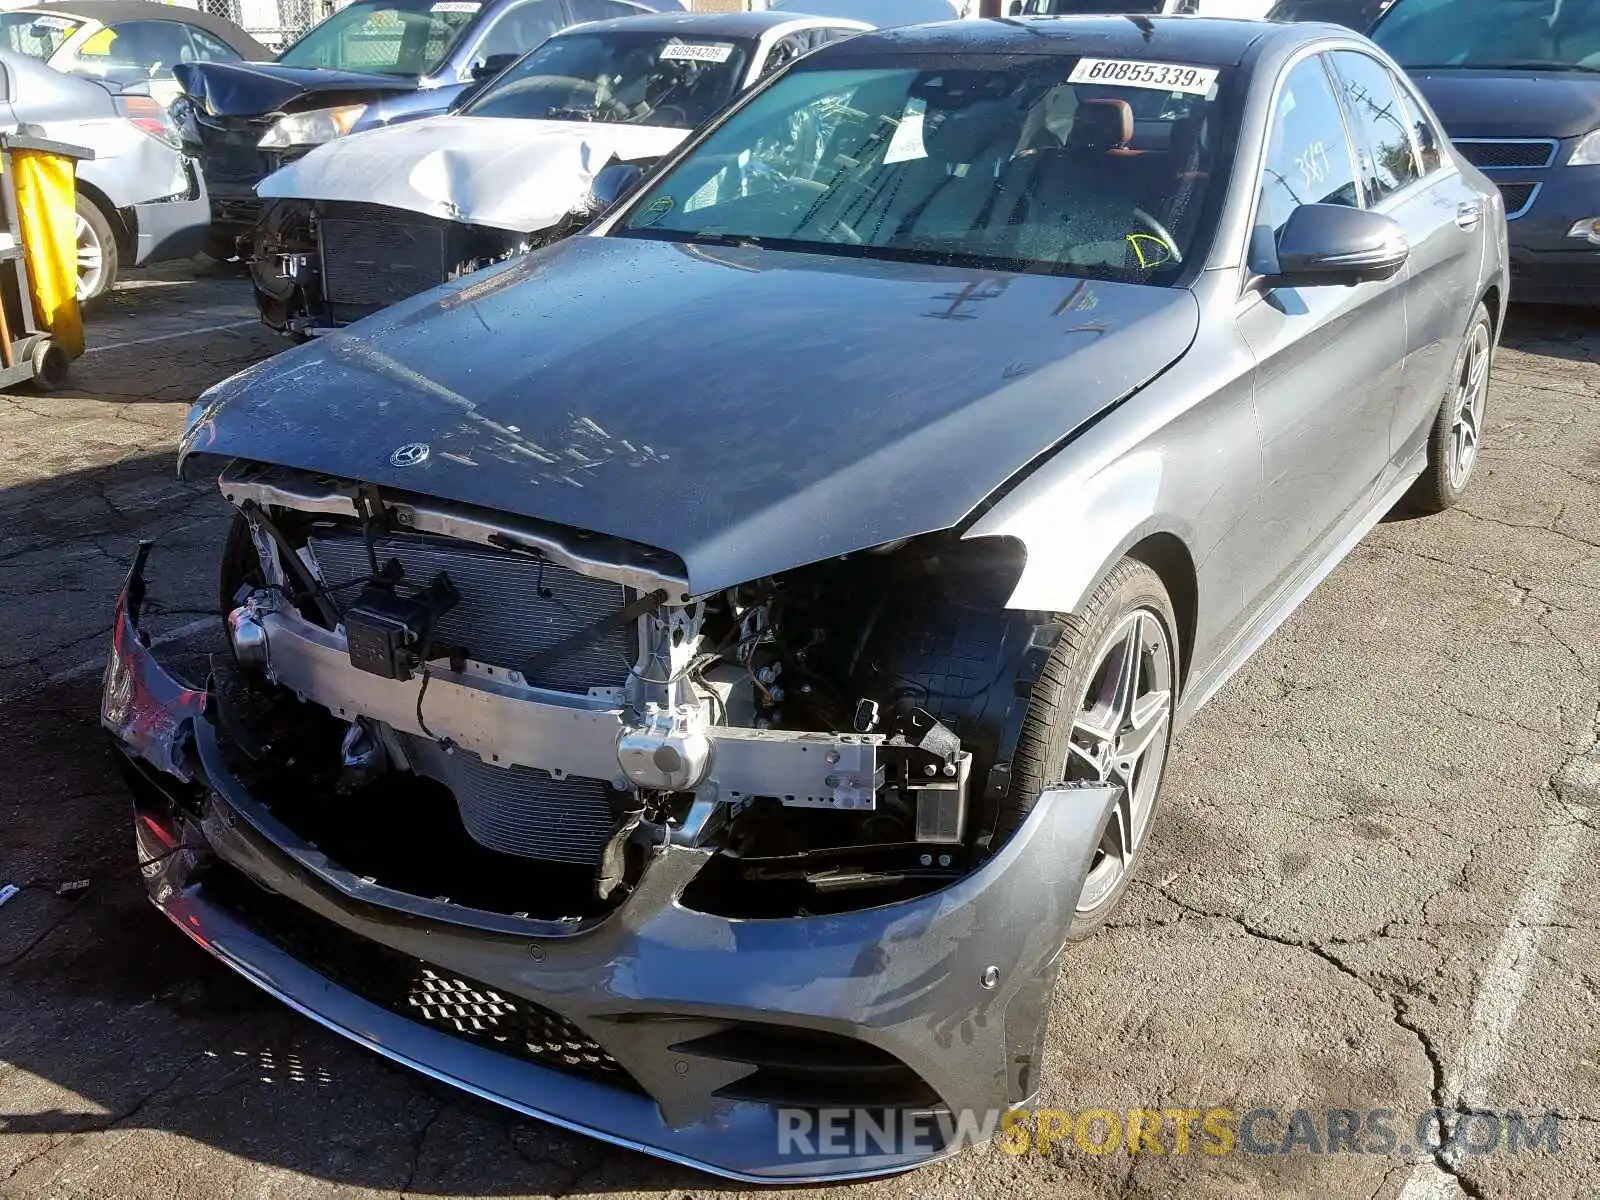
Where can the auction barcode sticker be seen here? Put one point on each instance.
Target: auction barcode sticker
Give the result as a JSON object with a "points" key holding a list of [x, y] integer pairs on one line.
{"points": [[718, 52], [1128, 72]]}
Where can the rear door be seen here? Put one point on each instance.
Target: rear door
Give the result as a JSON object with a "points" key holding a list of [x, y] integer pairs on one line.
{"points": [[1405, 176], [1329, 359]]}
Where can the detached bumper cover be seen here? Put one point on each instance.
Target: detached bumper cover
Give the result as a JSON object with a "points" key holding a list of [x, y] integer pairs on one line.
{"points": [[645, 981], [174, 227]]}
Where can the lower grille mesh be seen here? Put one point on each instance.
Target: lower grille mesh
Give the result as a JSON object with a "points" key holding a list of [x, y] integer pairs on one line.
{"points": [[413, 988], [511, 606]]}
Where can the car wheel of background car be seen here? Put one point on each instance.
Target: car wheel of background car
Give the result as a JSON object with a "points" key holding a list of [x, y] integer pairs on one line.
{"points": [[1458, 429], [97, 252], [1101, 709]]}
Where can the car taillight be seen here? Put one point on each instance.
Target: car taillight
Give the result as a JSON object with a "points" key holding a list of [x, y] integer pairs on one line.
{"points": [[148, 116]]}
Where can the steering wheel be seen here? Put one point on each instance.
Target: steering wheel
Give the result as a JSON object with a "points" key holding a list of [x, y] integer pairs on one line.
{"points": [[1160, 232]]}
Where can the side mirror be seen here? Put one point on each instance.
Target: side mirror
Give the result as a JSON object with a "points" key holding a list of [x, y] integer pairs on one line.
{"points": [[1014, 9], [486, 69], [614, 182], [1328, 244]]}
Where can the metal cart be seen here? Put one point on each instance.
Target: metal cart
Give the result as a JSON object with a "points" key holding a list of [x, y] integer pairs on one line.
{"points": [[27, 353]]}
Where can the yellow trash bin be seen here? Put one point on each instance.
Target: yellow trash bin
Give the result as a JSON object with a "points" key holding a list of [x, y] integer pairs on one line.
{"points": [[47, 212]]}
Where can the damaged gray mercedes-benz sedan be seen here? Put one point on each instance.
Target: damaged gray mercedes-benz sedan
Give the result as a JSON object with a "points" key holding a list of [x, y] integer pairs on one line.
{"points": [[704, 673]]}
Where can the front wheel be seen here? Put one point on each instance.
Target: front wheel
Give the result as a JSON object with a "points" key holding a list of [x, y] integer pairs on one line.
{"points": [[1101, 711], [1457, 431]]}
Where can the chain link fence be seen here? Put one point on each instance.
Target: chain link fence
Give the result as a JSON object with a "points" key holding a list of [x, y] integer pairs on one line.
{"points": [[273, 23]]}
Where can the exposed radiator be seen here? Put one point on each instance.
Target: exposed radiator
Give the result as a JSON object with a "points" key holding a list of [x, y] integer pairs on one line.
{"points": [[373, 255], [511, 606], [519, 810]]}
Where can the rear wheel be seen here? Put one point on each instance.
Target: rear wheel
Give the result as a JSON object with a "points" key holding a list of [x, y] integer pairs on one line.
{"points": [[1458, 428], [97, 252]]}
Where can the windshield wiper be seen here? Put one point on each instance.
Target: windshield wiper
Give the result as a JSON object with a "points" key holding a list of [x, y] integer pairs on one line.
{"points": [[717, 239], [1529, 65]]}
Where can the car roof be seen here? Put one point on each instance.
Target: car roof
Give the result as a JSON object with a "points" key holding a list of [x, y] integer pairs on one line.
{"points": [[109, 11], [709, 24], [1207, 41]]}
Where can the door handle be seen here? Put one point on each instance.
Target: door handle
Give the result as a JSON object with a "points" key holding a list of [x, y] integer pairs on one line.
{"points": [[1468, 214]]}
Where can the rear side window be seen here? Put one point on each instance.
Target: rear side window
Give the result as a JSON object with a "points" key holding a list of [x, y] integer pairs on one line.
{"points": [[211, 49], [1426, 135], [520, 29], [130, 51], [1308, 154], [1382, 127]]}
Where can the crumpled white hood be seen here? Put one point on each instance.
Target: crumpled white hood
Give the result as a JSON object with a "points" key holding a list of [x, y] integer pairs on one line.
{"points": [[496, 171]]}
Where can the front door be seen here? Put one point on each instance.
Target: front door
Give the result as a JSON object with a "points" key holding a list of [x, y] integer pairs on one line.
{"points": [[1329, 359]]}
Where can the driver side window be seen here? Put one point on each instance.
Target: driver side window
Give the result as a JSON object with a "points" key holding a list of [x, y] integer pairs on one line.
{"points": [[520, 28], [1308, 151]]}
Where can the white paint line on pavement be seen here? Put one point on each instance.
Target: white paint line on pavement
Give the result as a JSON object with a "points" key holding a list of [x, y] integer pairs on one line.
{"points": [[1504, 986], [167, 337]]}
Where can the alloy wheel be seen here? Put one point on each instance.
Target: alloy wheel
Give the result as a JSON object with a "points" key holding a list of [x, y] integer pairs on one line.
{"points": [[1119, 735], [91, 260], [1471, 398]]}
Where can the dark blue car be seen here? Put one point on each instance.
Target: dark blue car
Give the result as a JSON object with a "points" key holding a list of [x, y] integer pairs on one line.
{"points": [[1517, 85], [370, 63]]}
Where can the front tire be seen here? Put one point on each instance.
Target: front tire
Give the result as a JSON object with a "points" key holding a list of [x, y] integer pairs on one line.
{"points": [[1458, 428], [1101, 710]]}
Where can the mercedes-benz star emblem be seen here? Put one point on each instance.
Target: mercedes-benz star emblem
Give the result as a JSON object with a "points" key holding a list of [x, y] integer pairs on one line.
{"points": [[412, 454]]}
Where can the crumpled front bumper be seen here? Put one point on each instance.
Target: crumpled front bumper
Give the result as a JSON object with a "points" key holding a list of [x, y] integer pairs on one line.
{"points": [[955, 984]]}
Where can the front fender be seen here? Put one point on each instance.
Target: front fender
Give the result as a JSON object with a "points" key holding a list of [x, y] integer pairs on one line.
{"points": [[1075, 527]]}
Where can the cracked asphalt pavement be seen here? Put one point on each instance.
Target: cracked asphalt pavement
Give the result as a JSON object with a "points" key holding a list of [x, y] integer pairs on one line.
{"points": [[1370, 886]]}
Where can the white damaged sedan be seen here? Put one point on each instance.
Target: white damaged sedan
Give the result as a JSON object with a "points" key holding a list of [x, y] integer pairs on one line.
{"points": [[371, 219]]}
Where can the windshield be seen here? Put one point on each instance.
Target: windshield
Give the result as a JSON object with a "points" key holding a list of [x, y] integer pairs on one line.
{"points": [[38, 35], [1009, 164], [633, 78], [386, 37], [1531, 34]]}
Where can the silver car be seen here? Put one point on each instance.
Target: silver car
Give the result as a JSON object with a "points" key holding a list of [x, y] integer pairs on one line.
{"points": [[140, 200], [692, 683]]}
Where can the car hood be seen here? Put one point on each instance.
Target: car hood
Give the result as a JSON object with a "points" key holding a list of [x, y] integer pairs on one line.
{"points": [[1550, 104], [252, 89], [748, 410], [496, 171]]}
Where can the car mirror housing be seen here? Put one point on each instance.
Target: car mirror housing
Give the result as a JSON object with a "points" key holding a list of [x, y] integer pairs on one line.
{"points": [[488, 67], [613, 182], [1330, 244]]}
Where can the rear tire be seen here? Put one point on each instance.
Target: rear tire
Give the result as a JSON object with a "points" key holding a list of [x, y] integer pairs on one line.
{"points": [[1455, 440], [1092, 715], [98, 257]]}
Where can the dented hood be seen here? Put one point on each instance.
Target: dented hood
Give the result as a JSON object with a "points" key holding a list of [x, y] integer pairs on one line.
{"points": [[502, 172], [748, 410], [253, 89]]}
